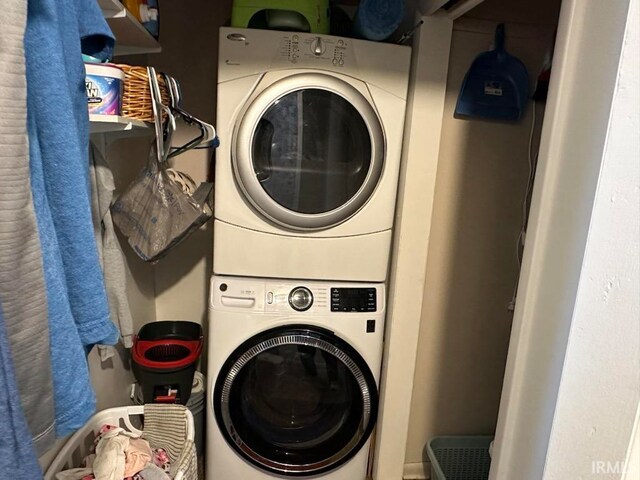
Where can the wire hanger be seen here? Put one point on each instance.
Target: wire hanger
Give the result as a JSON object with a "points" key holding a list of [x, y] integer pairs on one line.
{"points": [[164, 133], [207, 136]]}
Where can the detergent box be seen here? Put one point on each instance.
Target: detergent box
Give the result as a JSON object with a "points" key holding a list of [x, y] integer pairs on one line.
{"points": [[104, 88]]}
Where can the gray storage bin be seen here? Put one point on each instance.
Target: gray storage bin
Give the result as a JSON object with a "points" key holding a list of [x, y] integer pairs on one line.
{"points": [[459, 458]]}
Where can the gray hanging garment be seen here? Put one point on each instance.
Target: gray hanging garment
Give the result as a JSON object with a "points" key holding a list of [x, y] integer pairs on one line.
{"points": [[22, 284]]}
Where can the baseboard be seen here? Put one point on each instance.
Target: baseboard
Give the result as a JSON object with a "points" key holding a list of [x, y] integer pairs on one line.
{"points": [[417, 471]]}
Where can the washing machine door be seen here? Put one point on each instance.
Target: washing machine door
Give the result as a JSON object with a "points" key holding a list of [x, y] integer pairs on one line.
{"points": [[308, 151], [296, 401]]}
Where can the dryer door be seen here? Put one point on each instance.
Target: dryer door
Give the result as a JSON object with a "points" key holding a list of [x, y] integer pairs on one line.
{"points": [[308, 151], [296, 400]]}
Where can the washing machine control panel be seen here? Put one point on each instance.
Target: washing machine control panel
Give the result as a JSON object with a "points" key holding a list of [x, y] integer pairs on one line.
{"points": [[353, 300], [305, 298], [300, 47]]}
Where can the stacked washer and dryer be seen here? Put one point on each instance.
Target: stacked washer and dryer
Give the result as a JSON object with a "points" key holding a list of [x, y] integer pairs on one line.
{"points": [[306, 177]]}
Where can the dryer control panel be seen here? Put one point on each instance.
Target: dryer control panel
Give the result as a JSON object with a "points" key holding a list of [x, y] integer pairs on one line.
{"points": [[323, 49]]}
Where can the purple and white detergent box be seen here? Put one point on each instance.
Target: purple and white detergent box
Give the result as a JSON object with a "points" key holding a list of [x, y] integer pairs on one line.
{"points": [[104, 88]]}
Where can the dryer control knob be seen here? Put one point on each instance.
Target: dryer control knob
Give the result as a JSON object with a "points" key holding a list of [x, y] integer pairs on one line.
{"points": [[318, 47], [301, 299]]}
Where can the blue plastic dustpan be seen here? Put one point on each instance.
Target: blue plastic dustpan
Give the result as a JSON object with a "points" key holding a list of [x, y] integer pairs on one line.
{"points": [[496, 86]]}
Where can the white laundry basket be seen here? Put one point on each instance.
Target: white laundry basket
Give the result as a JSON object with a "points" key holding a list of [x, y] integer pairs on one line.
{"points": [[78, 446]]}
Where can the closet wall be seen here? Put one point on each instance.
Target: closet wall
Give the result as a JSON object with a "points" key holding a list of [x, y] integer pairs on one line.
{"points": [[189, 37], [472, 265]]}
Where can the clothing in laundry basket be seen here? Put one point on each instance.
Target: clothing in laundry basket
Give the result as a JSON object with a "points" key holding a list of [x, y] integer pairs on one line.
{"points": [[164, 427], [76, 474], [17, 456], [58, 128], [138, 456], [121, 455], [22, 286], [152, 473]]}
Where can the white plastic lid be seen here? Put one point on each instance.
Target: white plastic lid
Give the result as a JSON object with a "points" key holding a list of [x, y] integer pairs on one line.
{"points": [[104, 70]]}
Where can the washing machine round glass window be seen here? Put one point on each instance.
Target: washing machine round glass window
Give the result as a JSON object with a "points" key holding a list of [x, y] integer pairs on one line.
{"points": [[295, 401], [309, 157]]}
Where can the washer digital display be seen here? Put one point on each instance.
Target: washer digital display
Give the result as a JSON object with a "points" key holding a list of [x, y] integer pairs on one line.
{"points": [[353, 300]]}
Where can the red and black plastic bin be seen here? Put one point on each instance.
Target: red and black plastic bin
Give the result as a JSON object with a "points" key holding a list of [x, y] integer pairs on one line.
{"points": [[164, 359]]}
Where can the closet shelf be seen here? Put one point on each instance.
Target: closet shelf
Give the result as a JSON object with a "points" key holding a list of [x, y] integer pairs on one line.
{"points": [[115, 123], [131, 36]]}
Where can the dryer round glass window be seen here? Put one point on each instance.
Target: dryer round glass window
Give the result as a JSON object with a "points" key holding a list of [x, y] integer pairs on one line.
{"points": [[296, 401], [309, 151]]}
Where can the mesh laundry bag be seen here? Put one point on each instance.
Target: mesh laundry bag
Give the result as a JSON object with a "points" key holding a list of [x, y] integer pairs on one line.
{"points": [[164, 427], [160, 209]]}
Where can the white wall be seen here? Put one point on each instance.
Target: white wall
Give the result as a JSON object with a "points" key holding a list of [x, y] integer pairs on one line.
{"points": [[599, 391], [574, 143]]}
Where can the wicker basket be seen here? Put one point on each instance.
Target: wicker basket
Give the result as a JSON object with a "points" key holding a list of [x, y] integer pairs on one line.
{"points": [[136, 95]]}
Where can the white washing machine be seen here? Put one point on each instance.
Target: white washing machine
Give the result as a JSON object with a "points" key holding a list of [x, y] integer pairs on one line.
{"points": [[293, 378], [311, 131]]}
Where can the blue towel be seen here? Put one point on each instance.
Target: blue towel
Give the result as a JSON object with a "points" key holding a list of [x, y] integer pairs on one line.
{"points": [[378, 19], [58, 128], [95, 35], [74, 397], [17, 457]]}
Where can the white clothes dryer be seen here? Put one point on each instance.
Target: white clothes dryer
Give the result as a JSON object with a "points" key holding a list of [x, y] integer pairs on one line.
{"points": [[311, 131], [293, 378]]}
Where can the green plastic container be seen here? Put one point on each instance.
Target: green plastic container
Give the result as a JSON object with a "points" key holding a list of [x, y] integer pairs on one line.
{"points": [[299, 15], [459, 458]]}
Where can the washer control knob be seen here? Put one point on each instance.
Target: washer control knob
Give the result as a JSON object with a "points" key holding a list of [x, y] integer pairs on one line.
{"points": [[301, 299], [318, 47]]}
